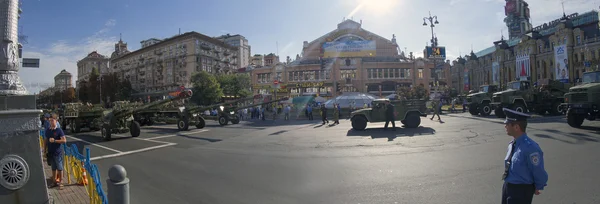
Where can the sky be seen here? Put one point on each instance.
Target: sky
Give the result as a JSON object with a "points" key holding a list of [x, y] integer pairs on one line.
{"points": [[62, 32]]}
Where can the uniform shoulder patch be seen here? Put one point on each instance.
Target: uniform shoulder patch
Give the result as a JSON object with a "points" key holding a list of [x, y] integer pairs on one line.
{"points": [[535, 158]]}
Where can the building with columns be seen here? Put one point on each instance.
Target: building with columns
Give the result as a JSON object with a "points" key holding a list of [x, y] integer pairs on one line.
{"points": [[88, 63], [572, 39], [357, 59]]}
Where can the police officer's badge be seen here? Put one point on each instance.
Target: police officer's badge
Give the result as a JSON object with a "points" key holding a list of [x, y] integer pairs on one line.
{"points": [[535, 158]]}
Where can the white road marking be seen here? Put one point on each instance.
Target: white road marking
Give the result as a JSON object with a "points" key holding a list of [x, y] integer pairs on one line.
{"points": [[165, 136], [132, 152], [165, 127], [93, 144]]}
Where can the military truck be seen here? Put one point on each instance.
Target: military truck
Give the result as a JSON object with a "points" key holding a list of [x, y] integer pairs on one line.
{"points": [[521, 96], [479, 103], [82, 115], [409, 112], [583, 101]]}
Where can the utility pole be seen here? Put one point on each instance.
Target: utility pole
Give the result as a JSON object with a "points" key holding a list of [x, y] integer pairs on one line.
{"points": [[434, 44]]}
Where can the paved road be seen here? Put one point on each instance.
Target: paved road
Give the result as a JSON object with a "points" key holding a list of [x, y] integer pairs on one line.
{"points": [[457, 161]]}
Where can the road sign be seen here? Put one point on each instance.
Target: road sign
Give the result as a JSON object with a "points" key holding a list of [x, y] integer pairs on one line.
{"points": [[31, 62], [276, 82]]}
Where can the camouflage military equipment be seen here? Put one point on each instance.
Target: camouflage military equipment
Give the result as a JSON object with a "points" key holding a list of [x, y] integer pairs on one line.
{"points": [[479, 103], [120, 119], [521, 96], [583, 101], [82, 115], [409, 112], [191, 115]]}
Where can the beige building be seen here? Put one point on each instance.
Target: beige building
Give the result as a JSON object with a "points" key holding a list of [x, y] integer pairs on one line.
{"points": [[258, 60], [241, 43], [162, 67], [62, 81], [533, 56], [376, 67], [87, 64]]}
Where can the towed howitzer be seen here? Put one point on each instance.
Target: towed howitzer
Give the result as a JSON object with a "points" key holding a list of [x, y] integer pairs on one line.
{"points": [[120, 119], [225, 114]]}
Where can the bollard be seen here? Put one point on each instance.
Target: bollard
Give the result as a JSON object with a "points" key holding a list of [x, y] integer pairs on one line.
{"points": [[118, 185]]}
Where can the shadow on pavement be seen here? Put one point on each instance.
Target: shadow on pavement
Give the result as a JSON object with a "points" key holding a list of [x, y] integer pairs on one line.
{"points": [[579, 138], [279, 122], [199, 138], [391, 134]]}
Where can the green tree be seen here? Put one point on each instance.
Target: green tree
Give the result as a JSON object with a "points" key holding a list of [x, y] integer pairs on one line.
{"points": [[235, 84], [206, 88]]}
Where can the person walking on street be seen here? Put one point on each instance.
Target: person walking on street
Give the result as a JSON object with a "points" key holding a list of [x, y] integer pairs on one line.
{"points": [[524, 173], [54, 150], [389, 115], [336, 114], [286, 112], [309, 109], [324, 114], [436, 106]]}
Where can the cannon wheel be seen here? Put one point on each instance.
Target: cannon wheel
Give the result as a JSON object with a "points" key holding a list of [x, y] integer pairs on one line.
{"points": [[223, 120], [235, 120], [201, 123], [135, 129], [106, 132], [183, 124], [149, 122]]}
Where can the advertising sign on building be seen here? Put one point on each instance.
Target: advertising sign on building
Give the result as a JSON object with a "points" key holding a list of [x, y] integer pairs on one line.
{"points": [[510, 7], [561, 71], [436, 52], [354, 48], [466, 80], [495, 73], [523, 68]]}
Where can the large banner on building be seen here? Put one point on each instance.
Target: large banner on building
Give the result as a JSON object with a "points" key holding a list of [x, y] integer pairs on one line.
{"points": [[364, 48], [466, 80], [561, 71], [436, 52], [495, 73], [523, 68]]}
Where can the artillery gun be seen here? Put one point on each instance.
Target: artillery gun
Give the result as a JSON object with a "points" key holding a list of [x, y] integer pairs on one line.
{"points": [[149, 115], [226, 112], [120, 119], [521, 96]]}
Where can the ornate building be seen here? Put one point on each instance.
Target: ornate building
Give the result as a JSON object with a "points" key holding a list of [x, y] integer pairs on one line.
{"points": [[91, 61], [560, 50], [162, 67], [62, 81], [517, 18], [356, 59]]}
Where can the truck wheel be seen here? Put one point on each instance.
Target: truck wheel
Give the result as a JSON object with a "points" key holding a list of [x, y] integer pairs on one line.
{"points": [[575, 120], [486, 109], [413, 120], [473, 110], [499, 113], [223, 120], [150, 122], [359, 123], [183, 124], [556, 109], [235, 121], [134, 130], [201, 123], [72, 127], [106, 132], [403, 122], [520, 108]]}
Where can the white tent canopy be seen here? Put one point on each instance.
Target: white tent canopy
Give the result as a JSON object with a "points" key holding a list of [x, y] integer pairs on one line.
{"points": [[320, 99]]}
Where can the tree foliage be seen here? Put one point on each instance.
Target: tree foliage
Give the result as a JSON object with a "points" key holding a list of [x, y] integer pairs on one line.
{"points": [[106, 88], [416, 92], [206, 88], [235, 84]]}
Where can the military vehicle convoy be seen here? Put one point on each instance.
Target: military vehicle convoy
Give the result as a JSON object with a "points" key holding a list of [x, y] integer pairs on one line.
{"points": [[480, 102], [521, 96], [583, 101], [409, 112]]}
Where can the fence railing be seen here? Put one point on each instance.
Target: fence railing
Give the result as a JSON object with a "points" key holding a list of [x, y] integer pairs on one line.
{"points": [[79, 167]]}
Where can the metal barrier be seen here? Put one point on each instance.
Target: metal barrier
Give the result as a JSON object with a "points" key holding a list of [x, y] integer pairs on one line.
{"points": [[80, 168]]}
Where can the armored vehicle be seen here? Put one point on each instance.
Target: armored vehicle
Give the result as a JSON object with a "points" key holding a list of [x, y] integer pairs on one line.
{"points": [[583, 101], [521, 96], [479, 103], [409, 112]]}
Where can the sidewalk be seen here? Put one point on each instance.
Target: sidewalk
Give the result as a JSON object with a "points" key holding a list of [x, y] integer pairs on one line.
{"points": [[70, 194]]}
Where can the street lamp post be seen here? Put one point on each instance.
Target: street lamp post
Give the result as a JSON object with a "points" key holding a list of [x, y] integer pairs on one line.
{"points": [[434, 42]]}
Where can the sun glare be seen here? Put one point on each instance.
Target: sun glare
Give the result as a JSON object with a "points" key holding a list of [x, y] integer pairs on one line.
{"points": [[375, 7]]}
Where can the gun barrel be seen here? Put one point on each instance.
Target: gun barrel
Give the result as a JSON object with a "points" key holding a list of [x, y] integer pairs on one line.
{"points": [[128, 111], [203, 108]]}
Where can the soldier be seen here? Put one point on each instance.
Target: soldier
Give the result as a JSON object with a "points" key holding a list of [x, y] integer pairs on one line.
{"points": [[524, 173], [389, 115]]}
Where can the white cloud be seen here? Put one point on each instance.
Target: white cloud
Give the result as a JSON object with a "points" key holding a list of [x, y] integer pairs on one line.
{"points": [[64, 54]]}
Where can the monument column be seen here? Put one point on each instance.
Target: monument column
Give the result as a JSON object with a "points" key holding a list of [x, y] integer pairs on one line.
{"points": [[22, 177]]}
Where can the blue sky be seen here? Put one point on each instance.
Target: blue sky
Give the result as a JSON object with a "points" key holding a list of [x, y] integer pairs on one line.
{"points": [[60, 32]]}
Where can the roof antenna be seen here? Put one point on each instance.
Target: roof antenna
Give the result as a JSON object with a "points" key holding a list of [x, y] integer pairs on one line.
{"points": [[501, 34], [120, 37], [179, 31]]}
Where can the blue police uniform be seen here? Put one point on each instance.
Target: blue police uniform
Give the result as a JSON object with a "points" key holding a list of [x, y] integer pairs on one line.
{"points": [[524, 166]]}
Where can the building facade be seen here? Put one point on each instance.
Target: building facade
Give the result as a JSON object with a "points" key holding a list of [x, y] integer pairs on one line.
{"points": [[88, 63], [151, 41], [373, 65], [258, 60], [162, 67], [241, 43], [63, 81], [517, 18], [559, 50]]}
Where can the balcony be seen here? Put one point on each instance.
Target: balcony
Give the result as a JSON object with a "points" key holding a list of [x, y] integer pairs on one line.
{"points": [[226, 61], [205, 46], [226, 53], [234, 56]]}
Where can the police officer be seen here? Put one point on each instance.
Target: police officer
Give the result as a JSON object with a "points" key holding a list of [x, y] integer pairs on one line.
{"points": [[524, 173]]}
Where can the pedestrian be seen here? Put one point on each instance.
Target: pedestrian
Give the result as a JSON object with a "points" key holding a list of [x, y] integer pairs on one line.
{"points": [[309, 111], [324, 114], [435, 105], [389, 115], [336, 114], [286, 112], [464, 102], [54, 150], [524, 173]]}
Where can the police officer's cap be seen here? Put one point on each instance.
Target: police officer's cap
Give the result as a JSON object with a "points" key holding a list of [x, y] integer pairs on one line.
{"points": [[513, 116]]}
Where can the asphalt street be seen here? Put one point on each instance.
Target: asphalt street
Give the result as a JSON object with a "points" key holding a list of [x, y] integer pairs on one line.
{"points": [[459, 160]]}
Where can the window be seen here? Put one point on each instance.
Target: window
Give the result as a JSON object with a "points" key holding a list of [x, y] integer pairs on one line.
{"points": [[432, 73], [348, 74], [578, 40], [420, 73]]}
